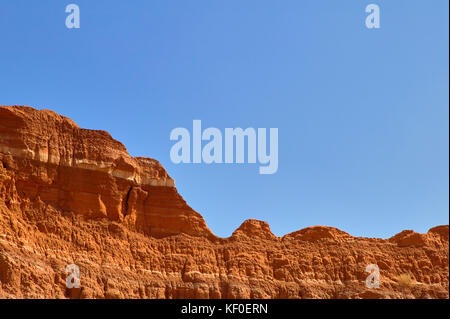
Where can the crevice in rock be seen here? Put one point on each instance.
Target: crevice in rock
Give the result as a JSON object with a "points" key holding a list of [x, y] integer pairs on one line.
{"points": [[183, 271], [125, 204]]}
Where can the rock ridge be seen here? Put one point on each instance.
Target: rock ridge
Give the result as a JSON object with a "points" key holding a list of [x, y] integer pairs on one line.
{"points": [[75, 196]]}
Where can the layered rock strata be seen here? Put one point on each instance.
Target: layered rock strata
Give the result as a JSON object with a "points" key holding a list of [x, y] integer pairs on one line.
{"points": [[74, 196]]}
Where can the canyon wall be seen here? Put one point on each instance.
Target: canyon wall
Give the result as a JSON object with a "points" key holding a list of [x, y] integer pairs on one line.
{"points": [[74, 196]]}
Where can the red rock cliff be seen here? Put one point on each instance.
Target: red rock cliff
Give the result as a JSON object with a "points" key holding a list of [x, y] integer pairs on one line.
{"points": [[75, 196]]}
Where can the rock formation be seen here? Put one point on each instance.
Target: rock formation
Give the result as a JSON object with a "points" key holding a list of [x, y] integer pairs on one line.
{"points": [[75, 196]]}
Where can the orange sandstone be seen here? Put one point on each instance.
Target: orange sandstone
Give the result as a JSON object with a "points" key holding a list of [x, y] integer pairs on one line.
{"points": [[75, 196]]}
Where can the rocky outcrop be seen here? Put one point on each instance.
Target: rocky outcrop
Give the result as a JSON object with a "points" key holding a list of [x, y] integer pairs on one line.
{"points": [[75, 196], [89, 173]]}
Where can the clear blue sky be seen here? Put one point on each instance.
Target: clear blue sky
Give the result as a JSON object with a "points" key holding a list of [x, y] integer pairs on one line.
{"points": [[363, 115]]}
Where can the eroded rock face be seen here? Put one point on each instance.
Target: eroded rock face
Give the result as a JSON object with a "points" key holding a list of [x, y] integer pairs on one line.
{"points": [[75, 196], [51, 160]]}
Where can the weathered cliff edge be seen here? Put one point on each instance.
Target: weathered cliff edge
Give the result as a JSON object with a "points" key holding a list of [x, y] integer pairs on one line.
{"points": [[75, 196]]}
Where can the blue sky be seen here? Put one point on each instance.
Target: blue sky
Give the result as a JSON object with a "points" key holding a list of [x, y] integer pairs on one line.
{"points": [[363, 115]]}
